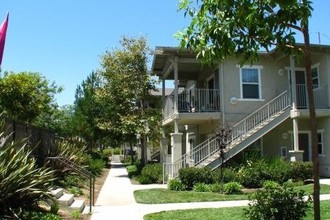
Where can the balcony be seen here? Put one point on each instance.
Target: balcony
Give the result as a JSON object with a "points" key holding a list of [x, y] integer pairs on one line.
{"points": [[193, 102], [320, 97]]}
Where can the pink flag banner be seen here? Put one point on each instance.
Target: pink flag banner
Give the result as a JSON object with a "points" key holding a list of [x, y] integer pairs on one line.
{"points": [[3, 31]]}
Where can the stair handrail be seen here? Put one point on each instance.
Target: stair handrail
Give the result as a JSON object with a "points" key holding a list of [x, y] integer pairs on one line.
{"points": [[282, 100], [239, 131], [82, 171]]}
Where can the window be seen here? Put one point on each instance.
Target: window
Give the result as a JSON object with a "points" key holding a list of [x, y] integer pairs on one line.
{"points": [[315, 77], [320, 142], [250, 82]]}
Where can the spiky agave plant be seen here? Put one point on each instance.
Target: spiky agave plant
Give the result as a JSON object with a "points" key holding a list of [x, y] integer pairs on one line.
{"points": [[22, 184]]}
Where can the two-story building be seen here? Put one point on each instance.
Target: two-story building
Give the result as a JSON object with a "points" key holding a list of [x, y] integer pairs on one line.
{"points": [[264, 104]]}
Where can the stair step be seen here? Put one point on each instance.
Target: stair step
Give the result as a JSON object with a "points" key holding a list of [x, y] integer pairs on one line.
{"points": [[78, 204], [57, 193], [66, 199]]}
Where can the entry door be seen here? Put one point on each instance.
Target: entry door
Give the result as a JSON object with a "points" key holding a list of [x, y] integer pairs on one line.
{"points": [[304, 145], [301, 89]]}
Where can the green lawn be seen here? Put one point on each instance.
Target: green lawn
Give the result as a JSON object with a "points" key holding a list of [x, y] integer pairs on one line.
{"points": [[159, 196], [225, 214]]}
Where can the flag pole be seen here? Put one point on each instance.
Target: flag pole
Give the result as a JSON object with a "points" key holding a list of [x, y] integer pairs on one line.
{"points": [[3, 32]]}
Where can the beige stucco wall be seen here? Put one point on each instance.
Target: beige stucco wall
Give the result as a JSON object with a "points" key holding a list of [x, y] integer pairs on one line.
{"points": [[272, 84], [273, 141]]}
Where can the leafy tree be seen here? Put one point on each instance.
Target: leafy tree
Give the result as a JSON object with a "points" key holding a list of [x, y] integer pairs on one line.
{"points": [[26, 95], [87, 110], [222, 29], [127, 86]]}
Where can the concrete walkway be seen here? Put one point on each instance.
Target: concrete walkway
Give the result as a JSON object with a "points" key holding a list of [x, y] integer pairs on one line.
{"points": [[116, 200]]}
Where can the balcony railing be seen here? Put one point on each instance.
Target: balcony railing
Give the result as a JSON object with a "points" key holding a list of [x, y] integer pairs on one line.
{"points": [[194, 100], [320, 97]]}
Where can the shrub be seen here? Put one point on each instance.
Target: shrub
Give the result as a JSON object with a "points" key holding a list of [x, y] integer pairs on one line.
{"points": [[301, 170], [216, 188], [277, 170], [176, 185], [31, 215], [291, 183], [232, 188], [72, 181], [201, 187], [107, 152], [279, 203], [116, 151], [251, 176], [192, 175], [23, 184], [228, 175], [270, 184], [96, 166], [99, 155], [151, 173], [132, 171], [76, 191]]}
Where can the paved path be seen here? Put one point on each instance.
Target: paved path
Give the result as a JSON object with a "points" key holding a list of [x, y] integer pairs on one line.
{"points": [[116, 200]]}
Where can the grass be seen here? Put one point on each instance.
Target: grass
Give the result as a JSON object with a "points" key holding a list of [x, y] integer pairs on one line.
{"points": [[225, 213], [160, 196]]}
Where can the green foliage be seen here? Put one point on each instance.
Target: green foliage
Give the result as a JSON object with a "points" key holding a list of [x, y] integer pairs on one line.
{"points": [[32, 215], [216, 188], [75, 214], [96, 166], [232, 188], [151, 173], [22, 183], [301, 171], [175, 184], [76, 191], [26, 95], [277, 170], [192, 175], [88, 110], [270, 184], [242, 28], [132, 171], [107, 152], [116, 151], [54, 207], [291, 183], [72, 180], [229, 174], [201, 187], [253, 174], [277, 203]]}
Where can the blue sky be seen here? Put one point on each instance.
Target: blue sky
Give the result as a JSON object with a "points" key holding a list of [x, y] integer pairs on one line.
{"points": [[63, 39]]}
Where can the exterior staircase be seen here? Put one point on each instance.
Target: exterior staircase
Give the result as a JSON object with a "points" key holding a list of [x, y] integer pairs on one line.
{"points": [[243, 134], [67, 201]]}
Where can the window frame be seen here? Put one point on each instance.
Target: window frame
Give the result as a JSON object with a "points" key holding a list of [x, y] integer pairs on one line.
{"points": [[317, 67], [321, 142], [258, 84]]}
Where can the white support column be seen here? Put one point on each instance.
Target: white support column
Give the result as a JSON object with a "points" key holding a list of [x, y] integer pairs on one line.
{"points": [[176, 140], [176, 93], [295, 154]]}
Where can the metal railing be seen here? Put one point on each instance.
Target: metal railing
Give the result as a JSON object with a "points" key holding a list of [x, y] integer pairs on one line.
{"points": [[193, 100], [320, 97], [80, 170], [209, 147]]}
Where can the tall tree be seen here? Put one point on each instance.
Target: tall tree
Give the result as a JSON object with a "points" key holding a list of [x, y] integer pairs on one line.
{"points": [[221, 29], [127, 86], [25, 96], [86, 109]]}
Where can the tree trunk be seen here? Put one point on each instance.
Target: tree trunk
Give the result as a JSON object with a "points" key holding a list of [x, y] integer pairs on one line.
{"points": [[312, 124]]}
